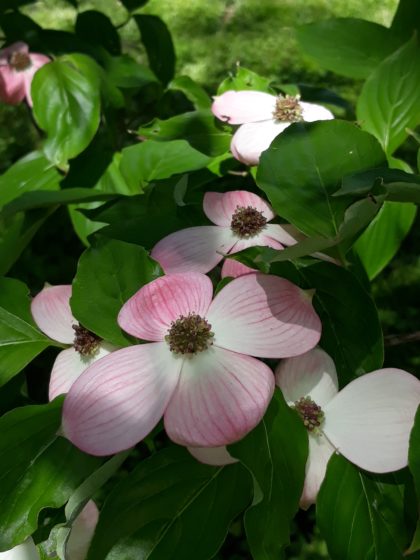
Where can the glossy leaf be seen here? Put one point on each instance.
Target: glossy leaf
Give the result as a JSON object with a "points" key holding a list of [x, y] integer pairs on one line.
{"points": [[300, 172], [275, 453], [348, 46], [414, 465], [66, 101], [108, 274], [20, 339], [170, 506], [389, 101], [38, 469], [361, 515], [380, 242]]}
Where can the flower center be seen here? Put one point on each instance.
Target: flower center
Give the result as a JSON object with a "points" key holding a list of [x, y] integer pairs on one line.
{"points": [[247, 222], [20, 61], [189, 335], [288, 109], [85, 342], [311, 414]]}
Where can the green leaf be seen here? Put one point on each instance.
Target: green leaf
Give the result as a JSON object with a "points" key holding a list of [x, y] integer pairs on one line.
{"points": [[198, 128], [361, 515], [38, 469], [132, 5], [66, 101], [414, 465], [108, 274], [389, 101], [194, 92], [363, 183], [406, 19], [96, 28], [124, 72], [380, 242], [244, 79], [275, 453], [149, 161], [300, 172], [159, 46], [20, 339], [31, 173], [170, 506], [348, 46]]}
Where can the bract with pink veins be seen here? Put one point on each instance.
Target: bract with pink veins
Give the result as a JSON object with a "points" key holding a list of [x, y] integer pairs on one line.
{"points": [[262, 117], [199, 370], [52, 314], [17, 69], [242, 219]]}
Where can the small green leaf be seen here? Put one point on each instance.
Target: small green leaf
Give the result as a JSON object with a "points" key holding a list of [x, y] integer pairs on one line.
{"points": [[108, 274], [194, 92], [275, 453], [244, 79]]}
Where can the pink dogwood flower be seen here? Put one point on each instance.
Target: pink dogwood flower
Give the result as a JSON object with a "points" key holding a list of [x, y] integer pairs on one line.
{"points": [[51, 312], [199, 369], [242, 219], [262, 117], [368, 421], [17, 69]]}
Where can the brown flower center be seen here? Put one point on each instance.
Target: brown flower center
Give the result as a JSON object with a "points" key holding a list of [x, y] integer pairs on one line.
{"points": [[247, 222], [311, 414], [20, 61], [85, 342], [189, 334], [288, 109]]}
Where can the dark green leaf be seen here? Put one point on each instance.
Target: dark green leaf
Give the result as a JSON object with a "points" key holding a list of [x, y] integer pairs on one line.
{"points": [[108, 274], [31, 173], [406, 19], [389, 102], [13, 4], [18, 27], [66, 100], [159, 46], [95, 27], [38, 469], [198, 128], [133, 4], [348, 46], [194, 92], [300, 172], [124, 72], [21, 341], [363, 183], [275, 453], [170, 506], [361, 515], [414, 465]]}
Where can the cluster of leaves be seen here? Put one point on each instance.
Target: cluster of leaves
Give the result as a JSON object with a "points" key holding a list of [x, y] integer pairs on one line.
{"points": [[127, 182]]}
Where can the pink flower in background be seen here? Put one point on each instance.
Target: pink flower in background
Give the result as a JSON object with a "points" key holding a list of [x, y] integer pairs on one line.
{"points": [[262, 117], [17, 69], [51, 312], [197, 370], [242, 220], [368, 421]]}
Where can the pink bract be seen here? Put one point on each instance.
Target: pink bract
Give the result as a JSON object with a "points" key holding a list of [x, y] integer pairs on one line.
{"points": [[17, 69], [199, 249], [210, 394]]}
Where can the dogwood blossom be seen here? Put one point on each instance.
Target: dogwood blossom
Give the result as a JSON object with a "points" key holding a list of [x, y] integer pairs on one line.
{"points": [[199, 369], [262, 117], [17, 69], [242, 219], [51, 312]]}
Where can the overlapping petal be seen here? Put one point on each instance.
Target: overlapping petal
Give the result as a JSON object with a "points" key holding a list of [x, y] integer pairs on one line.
{"points": [[251, 139], [313, 112], [238, 107], [37, 61], [119, 399], [197, 249], [217, 456], [69, 365], [311, 374], [220, 207], [232, 268], [220, 397], [320, 451], [264, 316], [369, 421], [149, 313], [12, 86], [24, 551], [82, 532], [51, 312]]}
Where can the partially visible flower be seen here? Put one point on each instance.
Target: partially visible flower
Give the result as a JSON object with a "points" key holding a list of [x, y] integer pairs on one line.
{"points": [[262, 117], [17, 69], [51, 312], [242, 220], [368, 421], [77, 546], [198, 371]]}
